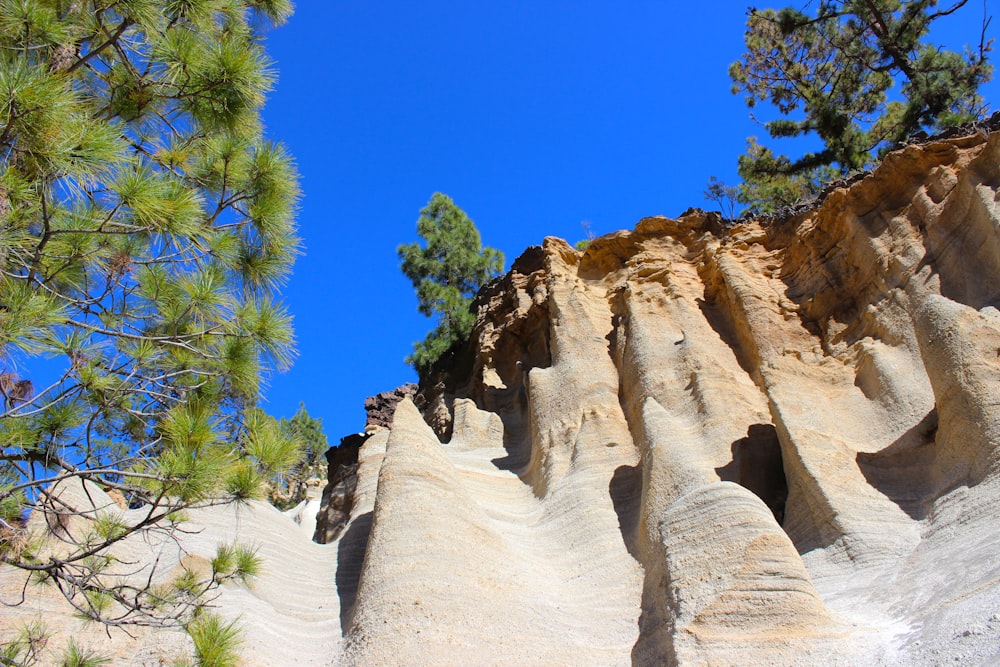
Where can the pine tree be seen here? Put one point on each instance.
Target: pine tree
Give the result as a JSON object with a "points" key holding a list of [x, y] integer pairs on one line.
{"points": [[289, 489], [446, 271], [145, 225], [861, 75]]}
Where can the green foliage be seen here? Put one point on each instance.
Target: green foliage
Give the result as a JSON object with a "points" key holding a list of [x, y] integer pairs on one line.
{"points": [[246, 564], [446, 271], [74, 656], [584, 243], [289, 489], [270, 446], [26, 647], [186, 584], [724, 196], [110, 526], [861, 75], [215, 642], [95, 604], [309, 431], [13, 501], [236, 562], [146, 224], [769, 183]]}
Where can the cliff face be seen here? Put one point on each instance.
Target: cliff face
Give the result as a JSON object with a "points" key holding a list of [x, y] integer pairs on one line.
{"points": [[689, 444]]}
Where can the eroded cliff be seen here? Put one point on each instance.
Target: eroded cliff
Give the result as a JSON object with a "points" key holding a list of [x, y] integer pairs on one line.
{"points": [[691, 443], [694, 443]]}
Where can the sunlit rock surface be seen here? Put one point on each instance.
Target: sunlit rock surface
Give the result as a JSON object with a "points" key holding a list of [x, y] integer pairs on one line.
{"points": [[693, 443]]}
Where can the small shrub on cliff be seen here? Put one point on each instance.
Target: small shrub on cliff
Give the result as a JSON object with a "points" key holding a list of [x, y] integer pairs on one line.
{"points": [[447, 271], [724, 196]]}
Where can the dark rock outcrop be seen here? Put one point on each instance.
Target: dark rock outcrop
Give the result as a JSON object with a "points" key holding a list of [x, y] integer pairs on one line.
{"points": [[338, 496], [381, 406]]}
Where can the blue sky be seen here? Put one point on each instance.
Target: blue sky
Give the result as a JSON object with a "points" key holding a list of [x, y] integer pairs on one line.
{"points": [[537, 118]]}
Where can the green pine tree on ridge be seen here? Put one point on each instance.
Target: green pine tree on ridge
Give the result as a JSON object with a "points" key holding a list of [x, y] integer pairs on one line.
{"points": [[447, 271]]}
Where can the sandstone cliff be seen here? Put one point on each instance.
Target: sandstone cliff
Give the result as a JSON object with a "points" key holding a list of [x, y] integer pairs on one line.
{"points": [[768, 444], [690, 444]]}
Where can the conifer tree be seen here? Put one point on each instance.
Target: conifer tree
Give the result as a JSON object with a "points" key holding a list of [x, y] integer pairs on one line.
{"points": [[145, 225], [290, 488], [861, 75], [446, 271]]}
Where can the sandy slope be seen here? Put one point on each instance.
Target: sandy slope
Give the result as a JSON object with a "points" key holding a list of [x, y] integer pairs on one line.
{"points": [[290, 615]]}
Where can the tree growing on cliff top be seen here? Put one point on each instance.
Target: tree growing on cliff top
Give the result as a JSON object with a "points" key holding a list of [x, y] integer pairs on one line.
{"points": [[145, 225], [446, 271], [861, 75]]}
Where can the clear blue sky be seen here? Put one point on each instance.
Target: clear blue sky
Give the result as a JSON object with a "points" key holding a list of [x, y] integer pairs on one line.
{"points": [[534, 116]]}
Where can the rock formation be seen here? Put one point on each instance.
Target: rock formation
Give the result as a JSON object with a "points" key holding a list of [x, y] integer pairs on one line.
{"points": [[692, 443], [699, 444]]}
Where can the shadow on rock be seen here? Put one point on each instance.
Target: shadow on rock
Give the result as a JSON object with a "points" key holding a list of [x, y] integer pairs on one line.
{"points": [[350, 557]]}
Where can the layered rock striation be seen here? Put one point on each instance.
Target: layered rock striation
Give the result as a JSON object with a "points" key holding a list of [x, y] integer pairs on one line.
{"points": [[704, 444], [692, 443]]}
